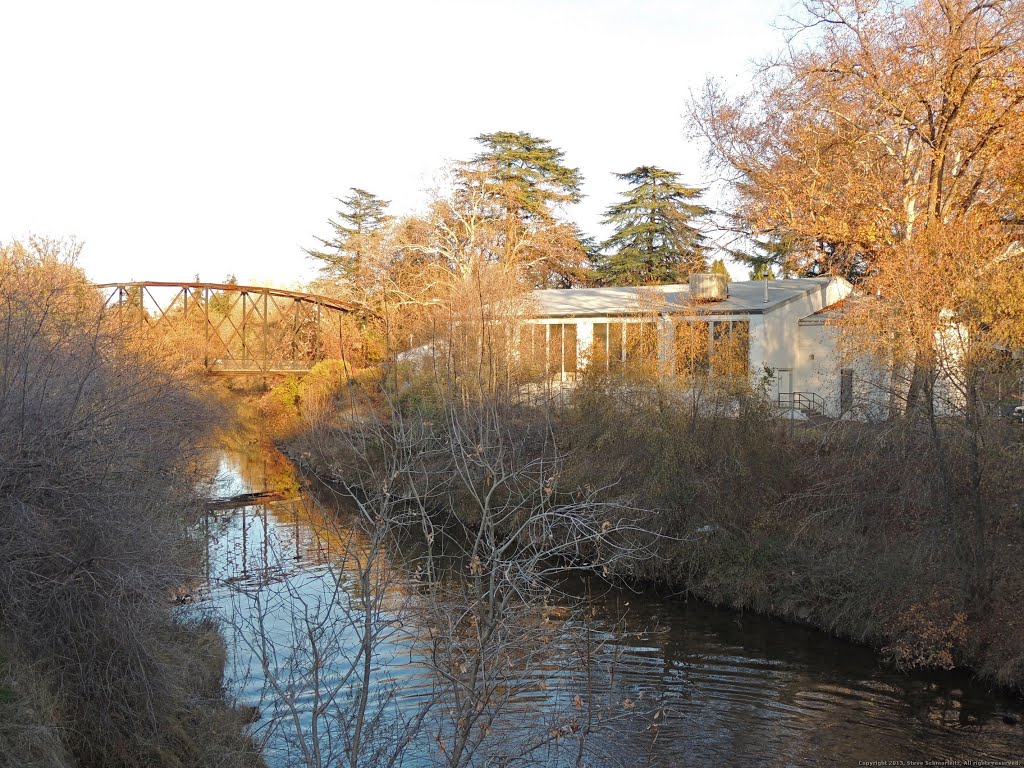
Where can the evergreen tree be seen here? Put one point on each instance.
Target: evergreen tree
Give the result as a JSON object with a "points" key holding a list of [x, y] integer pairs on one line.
{"points": [[362, 214], [770, 257], [522, 182], [655, 240], [523, 175], [718, 268], [222, 301]]}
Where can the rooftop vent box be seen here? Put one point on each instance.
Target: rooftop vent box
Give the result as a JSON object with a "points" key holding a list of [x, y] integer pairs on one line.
{"points": [[707, 286]]}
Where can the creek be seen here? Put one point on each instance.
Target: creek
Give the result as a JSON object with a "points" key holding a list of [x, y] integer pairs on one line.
{"points": [[678, 682]]}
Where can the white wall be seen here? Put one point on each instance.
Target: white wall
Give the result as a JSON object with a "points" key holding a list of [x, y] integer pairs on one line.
{"points": [[817, 364], [875, 386], [584, 341], [821, 372], [776, 339]]}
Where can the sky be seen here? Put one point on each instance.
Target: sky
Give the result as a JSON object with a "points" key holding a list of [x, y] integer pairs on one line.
{"points": [[213, 138]]}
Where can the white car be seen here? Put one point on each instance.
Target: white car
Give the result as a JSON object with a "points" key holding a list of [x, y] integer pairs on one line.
{"points": [[1018, 414]]}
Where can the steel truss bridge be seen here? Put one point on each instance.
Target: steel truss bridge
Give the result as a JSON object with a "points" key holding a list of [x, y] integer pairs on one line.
{"points": [[241, 330]]}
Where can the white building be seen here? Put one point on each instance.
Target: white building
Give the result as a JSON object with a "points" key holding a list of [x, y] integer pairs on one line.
{"points": [[860, 388], [868, 389], [777, 320]]}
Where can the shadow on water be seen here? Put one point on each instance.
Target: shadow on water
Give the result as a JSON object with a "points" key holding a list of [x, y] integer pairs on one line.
{"points": [[673, 682]]}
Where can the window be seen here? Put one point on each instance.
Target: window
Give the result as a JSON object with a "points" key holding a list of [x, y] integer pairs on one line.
{"points": [[561, 349], [569, 348], [642, 343], [548, 349], [616, 344], [606, 353], [554, 350], [692, 347], [730, 348], [845, 389], [532, 345], [599, 348]]}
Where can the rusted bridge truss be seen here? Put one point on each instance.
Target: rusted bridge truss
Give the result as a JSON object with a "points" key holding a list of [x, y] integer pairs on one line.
{"points": [[234, 329]]}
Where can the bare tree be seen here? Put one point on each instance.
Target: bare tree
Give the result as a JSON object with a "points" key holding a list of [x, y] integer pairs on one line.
{"points": [[480, 482], [325, 645]]}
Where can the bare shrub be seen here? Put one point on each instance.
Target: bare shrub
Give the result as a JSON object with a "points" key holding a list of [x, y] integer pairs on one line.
{"points": [[442, 457], [29, 716], [97, 453], [927, 636], [475, 485]]}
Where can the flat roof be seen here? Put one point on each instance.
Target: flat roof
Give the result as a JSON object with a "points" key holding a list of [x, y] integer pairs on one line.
{"points": [[745, 298]]}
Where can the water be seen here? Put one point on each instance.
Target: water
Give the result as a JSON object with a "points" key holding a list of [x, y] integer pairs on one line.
{"points": [[656, 679]]}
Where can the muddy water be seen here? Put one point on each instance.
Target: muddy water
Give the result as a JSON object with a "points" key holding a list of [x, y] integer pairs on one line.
{"points": [[671, 682]]}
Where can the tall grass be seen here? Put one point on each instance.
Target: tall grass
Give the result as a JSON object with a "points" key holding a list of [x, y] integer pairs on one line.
{"points": [[866, 530], [98, 450]]}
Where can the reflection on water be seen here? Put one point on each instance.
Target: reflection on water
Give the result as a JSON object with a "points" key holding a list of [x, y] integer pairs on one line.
{"points": [[656, 680]]}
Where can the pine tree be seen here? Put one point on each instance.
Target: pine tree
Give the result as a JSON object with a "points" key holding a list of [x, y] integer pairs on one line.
{"points": [[718, 268], [770, 256], [524, 174], [362, 214], [523, 182], [655, 240]]}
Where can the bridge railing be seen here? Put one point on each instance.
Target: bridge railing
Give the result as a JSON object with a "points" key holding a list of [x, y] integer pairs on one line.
{"points": [[235, 329]]}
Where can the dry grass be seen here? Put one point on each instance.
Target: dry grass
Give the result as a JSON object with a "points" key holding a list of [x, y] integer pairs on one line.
{"points": [[868, 531], [98, 447]]}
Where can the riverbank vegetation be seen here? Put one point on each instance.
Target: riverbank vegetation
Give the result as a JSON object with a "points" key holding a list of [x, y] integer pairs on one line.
{"points": [[858, 528], [868, 530], [880, 146], [98, 483]]}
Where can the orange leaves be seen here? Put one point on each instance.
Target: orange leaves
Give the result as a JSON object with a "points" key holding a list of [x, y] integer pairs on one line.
{"points": [[571, 728], [928, 635], [891, 117]]}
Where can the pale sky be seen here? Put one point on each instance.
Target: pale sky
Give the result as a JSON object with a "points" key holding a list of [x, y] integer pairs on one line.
{"points": [[212, 137]]}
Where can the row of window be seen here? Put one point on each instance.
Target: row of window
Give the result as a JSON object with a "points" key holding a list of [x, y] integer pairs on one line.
{"points": [[549, 348], [699, 346]]}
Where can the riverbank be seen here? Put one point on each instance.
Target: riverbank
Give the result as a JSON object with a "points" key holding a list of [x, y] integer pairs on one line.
{"points": [[835, 527], [101, 450], [673, 680], [871, 532]]}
